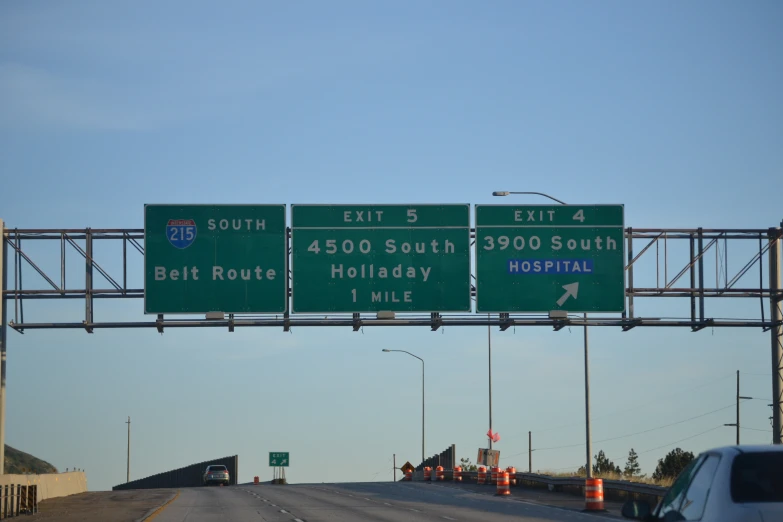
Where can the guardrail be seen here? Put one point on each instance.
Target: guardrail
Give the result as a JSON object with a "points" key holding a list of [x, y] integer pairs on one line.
{"points": [[613, 489], [17, 499]]}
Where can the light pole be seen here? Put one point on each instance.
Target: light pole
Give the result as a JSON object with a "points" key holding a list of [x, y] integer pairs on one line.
{"points": [[506, 193], [588, 435], [127, 469], [422, 397], [489, 349]]}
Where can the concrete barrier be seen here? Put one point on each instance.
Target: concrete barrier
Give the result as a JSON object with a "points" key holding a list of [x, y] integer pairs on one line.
{"points": [[50, 485]]}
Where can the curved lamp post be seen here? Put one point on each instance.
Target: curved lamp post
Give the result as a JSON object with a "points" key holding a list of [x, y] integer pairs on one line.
{"points": [[422, 397]]}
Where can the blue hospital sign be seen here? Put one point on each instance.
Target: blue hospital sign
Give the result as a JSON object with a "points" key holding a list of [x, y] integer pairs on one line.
{"points": [[181, 232]]}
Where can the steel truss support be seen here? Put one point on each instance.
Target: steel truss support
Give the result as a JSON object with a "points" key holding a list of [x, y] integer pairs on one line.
{"points": [[695, 291], [776, 334], [357, 324], [769, 240]]}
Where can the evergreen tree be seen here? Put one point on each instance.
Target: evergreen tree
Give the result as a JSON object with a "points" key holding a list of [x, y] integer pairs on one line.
{"points": [[632, 468], [604, 466], [672, 464]]}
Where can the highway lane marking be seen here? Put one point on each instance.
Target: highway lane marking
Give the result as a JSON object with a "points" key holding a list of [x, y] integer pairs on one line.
{"points": [[448, 518], [386, 504], [161, 508], [284, 511]]}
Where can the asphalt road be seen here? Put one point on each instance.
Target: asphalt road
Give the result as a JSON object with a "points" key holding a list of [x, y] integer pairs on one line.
{"points": [[355, 502]]}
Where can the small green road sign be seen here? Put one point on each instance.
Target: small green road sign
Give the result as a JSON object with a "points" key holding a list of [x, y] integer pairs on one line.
{"points": [[215, 258], [279, 459], [539, 258], [371, 258]]}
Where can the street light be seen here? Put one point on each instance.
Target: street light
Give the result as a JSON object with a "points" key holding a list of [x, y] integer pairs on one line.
{"points": [[422, 397], [506, 193], [588, 437]]}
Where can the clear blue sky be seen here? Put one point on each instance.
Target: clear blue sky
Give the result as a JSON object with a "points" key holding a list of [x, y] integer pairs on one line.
{"points": [[673, 109]]}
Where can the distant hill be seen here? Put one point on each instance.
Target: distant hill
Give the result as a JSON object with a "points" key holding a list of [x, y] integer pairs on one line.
{"points": [[20, 462]]}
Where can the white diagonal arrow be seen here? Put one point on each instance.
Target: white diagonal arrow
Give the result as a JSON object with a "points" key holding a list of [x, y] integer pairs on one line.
{"points": [[571, 290]]}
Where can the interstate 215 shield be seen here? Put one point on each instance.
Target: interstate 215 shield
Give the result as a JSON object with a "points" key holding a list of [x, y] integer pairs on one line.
{"points": [[181, 232]]}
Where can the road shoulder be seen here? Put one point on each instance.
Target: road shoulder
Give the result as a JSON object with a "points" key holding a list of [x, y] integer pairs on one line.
{"points": [[99, 506], [542, 497]]}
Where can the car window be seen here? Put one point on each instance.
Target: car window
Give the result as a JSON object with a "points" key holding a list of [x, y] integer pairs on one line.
{"points": [[757, 477], [699, 489], [673, 498]]}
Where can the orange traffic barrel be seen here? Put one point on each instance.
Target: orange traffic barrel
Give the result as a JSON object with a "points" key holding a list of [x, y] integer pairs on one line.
{"points": [[512, 475], [439, 473], [458, 474], [594, 494], [427, 473], [255, 480], [503, 484], [482, 475], [495, 471], [408, 475]]}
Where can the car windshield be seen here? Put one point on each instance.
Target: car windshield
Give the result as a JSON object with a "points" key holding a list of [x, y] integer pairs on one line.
{"points": [[757, 477], [217, 468]]}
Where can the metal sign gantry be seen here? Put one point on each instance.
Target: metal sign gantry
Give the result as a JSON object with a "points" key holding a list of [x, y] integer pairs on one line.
{"points": [[688, 282]]}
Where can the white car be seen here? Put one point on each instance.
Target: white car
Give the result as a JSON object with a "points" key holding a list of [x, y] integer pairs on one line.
{"points": [[731, 483]]}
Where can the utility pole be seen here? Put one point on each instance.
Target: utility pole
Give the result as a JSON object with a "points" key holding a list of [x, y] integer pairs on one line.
{"points": [[739, 398], [394, 465], [127, 476], [489, 349], [529, 452]]}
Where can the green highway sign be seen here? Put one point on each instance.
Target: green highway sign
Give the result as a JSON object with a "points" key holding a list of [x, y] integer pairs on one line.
{"points": [[370, 258], [215, 258], [539, 258], [279, 459]]}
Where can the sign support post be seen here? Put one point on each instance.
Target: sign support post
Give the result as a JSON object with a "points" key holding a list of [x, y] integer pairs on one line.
{"points": [[588, 434], [776, 333], [278, 461], [3, 341]]}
